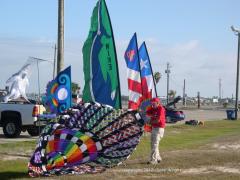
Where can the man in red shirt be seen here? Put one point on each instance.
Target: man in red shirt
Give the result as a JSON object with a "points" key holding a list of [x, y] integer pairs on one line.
{"points": [[157, 114]]}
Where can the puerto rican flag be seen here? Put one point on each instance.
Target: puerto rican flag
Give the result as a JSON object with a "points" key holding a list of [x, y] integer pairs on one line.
{"points": [[148, 83], [133, 73]]}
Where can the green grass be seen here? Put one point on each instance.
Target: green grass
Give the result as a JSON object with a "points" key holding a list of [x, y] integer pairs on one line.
{"points": [[13, 169], [24, 147], [186, 140], [192, 136], [16, 168], [186, 137]]}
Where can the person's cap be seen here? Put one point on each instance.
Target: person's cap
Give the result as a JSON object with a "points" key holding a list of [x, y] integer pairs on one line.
{"points": [[155, 100]]}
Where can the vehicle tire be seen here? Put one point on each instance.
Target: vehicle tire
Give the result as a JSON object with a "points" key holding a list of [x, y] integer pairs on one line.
{"points": [[11, 128], [34, 131]]}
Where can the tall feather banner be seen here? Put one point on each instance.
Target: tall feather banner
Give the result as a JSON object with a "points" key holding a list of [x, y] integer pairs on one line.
{"points": [[101, 75]]}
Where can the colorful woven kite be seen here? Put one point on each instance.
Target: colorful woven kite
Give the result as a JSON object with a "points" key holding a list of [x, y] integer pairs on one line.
{"points": [[58, 95], [88, 133]]}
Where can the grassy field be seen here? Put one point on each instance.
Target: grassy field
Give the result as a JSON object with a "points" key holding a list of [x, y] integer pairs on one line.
{"points": [[211, 151]]}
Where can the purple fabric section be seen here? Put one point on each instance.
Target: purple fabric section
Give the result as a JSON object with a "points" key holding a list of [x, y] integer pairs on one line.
{"points": [[93, 156]]}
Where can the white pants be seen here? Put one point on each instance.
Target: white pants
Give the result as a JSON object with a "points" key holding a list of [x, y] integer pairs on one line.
{"points": [[156, 136]]}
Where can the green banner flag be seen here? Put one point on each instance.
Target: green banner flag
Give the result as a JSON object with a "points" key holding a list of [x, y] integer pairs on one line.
{"points": [[100, 61]]}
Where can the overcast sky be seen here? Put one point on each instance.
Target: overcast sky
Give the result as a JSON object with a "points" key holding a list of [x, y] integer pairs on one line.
{"points": [[193, 36]]}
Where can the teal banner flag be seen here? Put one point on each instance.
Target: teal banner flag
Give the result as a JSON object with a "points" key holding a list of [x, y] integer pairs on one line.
{"points": [[100, 61]]}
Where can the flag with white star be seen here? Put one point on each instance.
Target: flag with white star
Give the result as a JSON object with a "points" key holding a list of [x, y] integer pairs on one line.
{"points": [[148, 85]]}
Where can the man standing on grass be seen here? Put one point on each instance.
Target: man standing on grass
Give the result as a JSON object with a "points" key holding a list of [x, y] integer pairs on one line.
{"points": [[157, 114]]}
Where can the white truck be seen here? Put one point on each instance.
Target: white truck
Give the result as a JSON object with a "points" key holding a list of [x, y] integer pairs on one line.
{"points": [[18, 116]]}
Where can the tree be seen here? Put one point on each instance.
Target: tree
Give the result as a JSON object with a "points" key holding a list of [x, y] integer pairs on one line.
{"points": [[75, 88], [172, 94], [157, 76]]}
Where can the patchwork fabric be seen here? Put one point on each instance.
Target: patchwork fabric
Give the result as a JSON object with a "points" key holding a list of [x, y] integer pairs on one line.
{"points": [[87, 133], [131, 142], [121, 134]]}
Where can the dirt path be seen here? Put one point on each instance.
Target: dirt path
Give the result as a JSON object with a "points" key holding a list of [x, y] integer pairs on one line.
{"points": [[23, 137], [220, 157], [205, 115], [189, 171]]}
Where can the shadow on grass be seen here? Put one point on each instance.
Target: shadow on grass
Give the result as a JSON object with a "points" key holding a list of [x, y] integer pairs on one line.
{"points": [[22, 136], [135, 162], [13, 175]]}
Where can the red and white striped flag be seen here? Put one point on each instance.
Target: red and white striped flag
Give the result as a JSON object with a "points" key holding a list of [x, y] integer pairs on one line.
{"points": [[134, 77]]}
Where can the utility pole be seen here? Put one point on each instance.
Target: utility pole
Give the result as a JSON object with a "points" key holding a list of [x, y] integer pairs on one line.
{"points": [[184, 93], [237, 32], [220, 88], [54, 60], [199, 102], [60, 54], [167, 71]]}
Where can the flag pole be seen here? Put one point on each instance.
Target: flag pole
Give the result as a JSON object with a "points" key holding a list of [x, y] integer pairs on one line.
{"points": [[135, 34], [151, 69], [120, 105]]}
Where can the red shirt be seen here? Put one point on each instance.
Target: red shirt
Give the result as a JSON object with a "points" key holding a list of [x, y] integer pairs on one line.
{"points": [[157, 115]]}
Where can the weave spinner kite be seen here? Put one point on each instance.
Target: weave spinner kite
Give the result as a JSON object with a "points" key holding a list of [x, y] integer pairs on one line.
{"points": [[88, 133]]}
